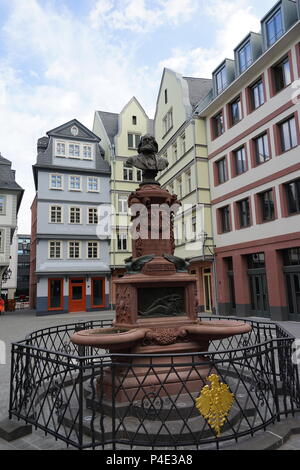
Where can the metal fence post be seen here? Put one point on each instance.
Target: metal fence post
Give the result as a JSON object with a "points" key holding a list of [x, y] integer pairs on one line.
{"points": [[12, 368], [273, 367], [80, 396]]}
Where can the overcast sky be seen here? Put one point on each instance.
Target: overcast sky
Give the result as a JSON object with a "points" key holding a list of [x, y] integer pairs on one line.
{"points": [[63, 59]]}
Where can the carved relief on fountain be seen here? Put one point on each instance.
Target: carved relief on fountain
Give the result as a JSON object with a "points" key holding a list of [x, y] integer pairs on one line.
{"points": [[123, 304], [165, 337]]}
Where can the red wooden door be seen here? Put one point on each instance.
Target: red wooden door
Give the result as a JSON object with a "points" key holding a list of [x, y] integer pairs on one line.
{"points": [[77, 295]]}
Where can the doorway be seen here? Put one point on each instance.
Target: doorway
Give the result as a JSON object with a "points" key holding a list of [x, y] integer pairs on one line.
{"points": [[77, 295]]}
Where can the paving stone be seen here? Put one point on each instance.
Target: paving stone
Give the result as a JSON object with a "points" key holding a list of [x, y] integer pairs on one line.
{"points": [[11, 429]]}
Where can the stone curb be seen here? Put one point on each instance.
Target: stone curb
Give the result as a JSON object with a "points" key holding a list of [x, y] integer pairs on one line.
{"points": [[273, 438], [12, 429]]}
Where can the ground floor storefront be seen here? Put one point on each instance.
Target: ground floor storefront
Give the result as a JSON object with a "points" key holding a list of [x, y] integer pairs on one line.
{"points": [[260, 278], [72, 293]]}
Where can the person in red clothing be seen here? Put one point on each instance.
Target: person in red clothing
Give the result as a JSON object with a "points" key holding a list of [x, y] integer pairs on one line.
{"points": [[1, 305]]}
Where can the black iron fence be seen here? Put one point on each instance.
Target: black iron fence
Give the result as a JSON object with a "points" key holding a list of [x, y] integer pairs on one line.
{"points": [[89, 398]]}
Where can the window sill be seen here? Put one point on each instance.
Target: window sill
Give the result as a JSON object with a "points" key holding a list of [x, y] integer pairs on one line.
{"points": [[282, 152], [275, 93], [251, 111], [256, 165], [168, 131], [244, 228]]}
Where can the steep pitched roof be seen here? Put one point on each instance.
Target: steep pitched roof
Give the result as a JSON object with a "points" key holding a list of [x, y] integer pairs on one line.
{"points": [[198, 88], [7, 179], [64, 130], [4, 161], [110, 123]]}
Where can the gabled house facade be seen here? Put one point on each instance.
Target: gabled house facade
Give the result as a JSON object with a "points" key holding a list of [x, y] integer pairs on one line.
{"points": [[181, 138], [69, 269], [120, 135], [10, 199]]}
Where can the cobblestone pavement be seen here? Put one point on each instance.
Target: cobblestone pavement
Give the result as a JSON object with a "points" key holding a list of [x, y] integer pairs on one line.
{"points": [[15, 326]]}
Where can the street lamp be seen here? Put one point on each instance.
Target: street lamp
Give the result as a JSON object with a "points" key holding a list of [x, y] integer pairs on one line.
{"points": [[6, 275]]}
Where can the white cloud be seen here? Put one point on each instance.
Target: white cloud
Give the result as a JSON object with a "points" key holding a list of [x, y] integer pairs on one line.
{"points": [[138, 17], [233, 19], [57, 68]]}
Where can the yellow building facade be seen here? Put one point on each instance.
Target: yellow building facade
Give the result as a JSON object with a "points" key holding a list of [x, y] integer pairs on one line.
{"points": [[181, 137], [120, 135]]}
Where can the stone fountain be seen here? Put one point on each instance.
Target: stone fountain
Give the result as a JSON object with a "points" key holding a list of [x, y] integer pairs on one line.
{"points": [[156, 302]]}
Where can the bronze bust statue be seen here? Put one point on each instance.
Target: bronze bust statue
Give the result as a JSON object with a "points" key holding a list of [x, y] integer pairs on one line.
{"points": [[147, 159]]}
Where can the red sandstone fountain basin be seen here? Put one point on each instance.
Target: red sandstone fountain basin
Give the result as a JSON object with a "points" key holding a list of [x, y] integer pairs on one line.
{"points": [[118, 339]]}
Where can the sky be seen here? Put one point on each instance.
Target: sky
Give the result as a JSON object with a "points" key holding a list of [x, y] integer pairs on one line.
{"points": [[64, 59]]}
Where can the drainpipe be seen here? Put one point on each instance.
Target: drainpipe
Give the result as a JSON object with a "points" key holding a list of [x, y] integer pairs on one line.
{"points": [[113, 160]]}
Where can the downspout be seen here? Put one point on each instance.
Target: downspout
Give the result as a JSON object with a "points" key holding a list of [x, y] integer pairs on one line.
{"points": [[113, 159]]}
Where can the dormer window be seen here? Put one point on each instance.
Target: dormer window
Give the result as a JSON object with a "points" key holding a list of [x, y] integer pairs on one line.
{"points": [[74, 150], [274, 27], [221, 80], [87, 152], [60, 149], [245, 57]]}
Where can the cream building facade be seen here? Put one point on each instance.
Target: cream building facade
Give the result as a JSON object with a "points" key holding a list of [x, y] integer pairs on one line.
{"points": [[120, 135], [181, 138]]}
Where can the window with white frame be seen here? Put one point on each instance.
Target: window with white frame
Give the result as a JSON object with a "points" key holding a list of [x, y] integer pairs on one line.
{"points": [[87, 152], [75, 183], [80, 150], [93, 250], [55, 249], [122, 204], [175, 151], [60, 149], [188, 181], [74, 250], [139, 175], [2, 204], [56, 181], [168, 121], [133, 140], [75, 215], [74, 150], [182, 144], [2, 240], [92, 215], [93, 184], [179, 187], [122, 241], [56, 215], [127, 173]]}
